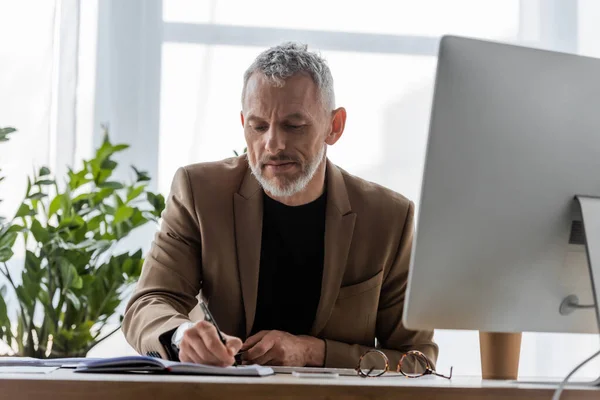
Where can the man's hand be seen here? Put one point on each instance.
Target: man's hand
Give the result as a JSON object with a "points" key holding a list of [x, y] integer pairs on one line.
{"points": [[282, 348], [201, 345]]}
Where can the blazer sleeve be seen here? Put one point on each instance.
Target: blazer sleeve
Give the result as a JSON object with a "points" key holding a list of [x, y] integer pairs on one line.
{"points": [[393, 338], [171, 275]]}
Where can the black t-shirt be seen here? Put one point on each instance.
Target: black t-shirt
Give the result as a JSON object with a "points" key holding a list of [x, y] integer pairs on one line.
{"points": [[291, 266]]}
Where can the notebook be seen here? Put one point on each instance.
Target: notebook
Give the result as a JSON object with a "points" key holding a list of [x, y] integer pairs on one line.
{"points": [[157, 365]]}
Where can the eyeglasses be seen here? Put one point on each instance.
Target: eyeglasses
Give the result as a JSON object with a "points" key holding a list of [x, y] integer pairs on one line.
{"points": [[413, 364]]}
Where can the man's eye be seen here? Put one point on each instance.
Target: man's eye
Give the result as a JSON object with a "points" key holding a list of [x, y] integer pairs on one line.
{"points": [[295, 127], [260, 128]]}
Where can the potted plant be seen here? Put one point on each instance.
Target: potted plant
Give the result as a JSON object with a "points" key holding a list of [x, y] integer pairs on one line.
{"points": [[73, 279]]}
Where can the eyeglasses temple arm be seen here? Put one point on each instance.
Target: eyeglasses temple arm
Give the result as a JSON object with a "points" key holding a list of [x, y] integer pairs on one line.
{"points": [[444, 376]]}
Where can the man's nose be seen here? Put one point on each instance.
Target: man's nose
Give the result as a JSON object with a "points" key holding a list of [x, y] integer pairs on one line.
{"points": [[275, 140]]}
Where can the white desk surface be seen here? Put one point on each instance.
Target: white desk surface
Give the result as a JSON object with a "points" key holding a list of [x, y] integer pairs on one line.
{"points": [[64, 384]]}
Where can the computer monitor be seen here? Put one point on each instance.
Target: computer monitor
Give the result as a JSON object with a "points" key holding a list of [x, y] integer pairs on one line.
{"points": [[499, 244]]}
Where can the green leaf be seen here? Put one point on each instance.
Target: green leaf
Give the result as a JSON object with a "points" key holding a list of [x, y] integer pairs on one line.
{"points": [[88, 282], [36, 196], [141, 176], [31, 285], [123, 213], [108, 209], [24, 210], [78, 179], [135, 192], [32, 262], [44, 171], [103, 194], [94, 223], [7, 130], [138, 270], [137, 219], [28, 186], [16, 228], [5, 254], [127, 266], [77, 282], [111, 185], [101, 175], [107, 149], [4, 321], [44, 182], [108, 164], [137, 255], [55, 205], [39, 233], [71, 223], [80, 258], [24, 297], [7, 240], [151, 198], [158, 202], [4, 132], [73, 299], [44, 298], [118, 200], [68, 272], [82, 197]]}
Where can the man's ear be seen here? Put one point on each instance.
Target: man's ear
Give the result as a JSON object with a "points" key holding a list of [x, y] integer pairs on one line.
{"points": [[242, 118], [338, 123]]}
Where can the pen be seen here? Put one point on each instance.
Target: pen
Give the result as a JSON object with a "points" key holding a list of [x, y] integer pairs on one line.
{"points": [[209, 318]]}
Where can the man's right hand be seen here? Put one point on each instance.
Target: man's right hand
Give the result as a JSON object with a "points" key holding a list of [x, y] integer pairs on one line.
{"points": [[201, 345]]}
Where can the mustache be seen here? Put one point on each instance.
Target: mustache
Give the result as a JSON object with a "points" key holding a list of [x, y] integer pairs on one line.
{"points": [[279, 158]]}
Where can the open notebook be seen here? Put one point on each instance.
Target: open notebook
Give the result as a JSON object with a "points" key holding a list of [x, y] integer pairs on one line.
{"points": [[157, 365]]}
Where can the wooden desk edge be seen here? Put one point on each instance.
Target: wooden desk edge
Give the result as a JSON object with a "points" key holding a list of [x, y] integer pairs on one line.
{"points": [[51, 389]]}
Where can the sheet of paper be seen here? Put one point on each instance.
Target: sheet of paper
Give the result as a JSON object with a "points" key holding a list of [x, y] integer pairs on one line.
{"points": [[21, 361], [27, 370], [43, 362], [339, 371]]}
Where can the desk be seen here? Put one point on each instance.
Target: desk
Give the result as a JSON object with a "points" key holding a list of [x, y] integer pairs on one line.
{"points": [[64, 384]]}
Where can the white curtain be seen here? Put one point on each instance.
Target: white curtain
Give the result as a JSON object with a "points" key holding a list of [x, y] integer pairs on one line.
{"points": [[27, 79], [27, 65]]}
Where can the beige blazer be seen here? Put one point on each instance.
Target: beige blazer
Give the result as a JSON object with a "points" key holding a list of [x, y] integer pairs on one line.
{"points": [[210, 239]]}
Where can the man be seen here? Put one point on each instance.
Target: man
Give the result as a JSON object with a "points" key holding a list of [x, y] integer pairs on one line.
{"points": [[300, 262]]}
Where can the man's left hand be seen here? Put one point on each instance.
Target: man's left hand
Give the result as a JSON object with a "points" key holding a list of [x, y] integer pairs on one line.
{"points": [[282, 348]]}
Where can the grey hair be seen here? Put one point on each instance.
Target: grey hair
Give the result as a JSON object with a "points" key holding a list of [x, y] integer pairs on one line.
{"points": [[285, 60]]}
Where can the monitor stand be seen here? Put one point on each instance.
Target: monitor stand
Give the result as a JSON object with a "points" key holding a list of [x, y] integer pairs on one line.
{"points": [[493, 344], [590, 216]]}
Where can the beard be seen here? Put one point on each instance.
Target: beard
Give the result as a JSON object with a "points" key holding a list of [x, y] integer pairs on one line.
{"points": [[283, 186]]}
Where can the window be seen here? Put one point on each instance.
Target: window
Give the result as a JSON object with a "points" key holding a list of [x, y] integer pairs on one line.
{"points": [[382, 57], [167, 77]]}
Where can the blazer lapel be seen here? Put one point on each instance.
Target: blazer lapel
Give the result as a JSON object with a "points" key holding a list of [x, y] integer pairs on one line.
{"points": [[339, 227], [248, 215]]}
